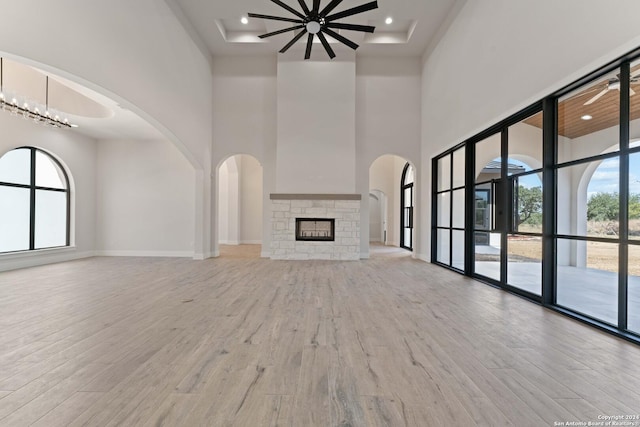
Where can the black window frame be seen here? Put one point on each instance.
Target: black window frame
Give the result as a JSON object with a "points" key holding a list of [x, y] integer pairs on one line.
{"points": [[550, 166], [33, 188]]}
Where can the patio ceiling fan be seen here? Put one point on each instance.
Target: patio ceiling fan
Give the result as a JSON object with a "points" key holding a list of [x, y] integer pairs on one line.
{"points": [[612, 84], [317, 22]]}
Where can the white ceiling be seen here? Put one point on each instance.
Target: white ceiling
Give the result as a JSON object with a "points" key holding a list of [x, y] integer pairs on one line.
{"points": [[216, 28], [416, 23]]}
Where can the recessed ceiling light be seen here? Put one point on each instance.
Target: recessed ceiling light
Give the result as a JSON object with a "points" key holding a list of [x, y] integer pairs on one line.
{"points": [[388, 21], [586, 117], [244, 20]]}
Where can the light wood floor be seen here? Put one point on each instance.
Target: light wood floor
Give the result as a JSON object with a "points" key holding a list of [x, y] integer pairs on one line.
{"points": [[245, 341]]}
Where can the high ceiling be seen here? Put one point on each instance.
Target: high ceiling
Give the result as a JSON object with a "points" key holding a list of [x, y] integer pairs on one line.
{"points": [[215, 27], [217, 24]]}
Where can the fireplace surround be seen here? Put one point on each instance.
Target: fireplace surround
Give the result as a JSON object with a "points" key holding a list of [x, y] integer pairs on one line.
{"points": [[323, 216]]}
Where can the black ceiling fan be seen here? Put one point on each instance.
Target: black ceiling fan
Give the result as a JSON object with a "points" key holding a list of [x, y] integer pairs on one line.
{"points": [[318, 22]]}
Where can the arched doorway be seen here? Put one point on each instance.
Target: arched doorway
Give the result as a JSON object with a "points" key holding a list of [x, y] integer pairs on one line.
{"points": [[240, 206], [391, 202], [377, 217]]}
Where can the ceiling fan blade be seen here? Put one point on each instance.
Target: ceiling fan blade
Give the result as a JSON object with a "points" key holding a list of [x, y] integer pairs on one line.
{"points": [[293, 41], [289, 8], [316, 6], [352, 27], [297, 27], [275, 18], [353, 11], [307, 53], [326, 45], [328, 8], [304, 7], [341, 39], [602, 93]]}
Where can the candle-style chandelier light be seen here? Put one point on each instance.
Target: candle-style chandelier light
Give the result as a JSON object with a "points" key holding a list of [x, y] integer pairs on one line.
{"points": [[31, 110]]}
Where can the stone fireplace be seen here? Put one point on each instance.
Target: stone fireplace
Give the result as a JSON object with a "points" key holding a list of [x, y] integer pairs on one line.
{"points": [[315, 219]]}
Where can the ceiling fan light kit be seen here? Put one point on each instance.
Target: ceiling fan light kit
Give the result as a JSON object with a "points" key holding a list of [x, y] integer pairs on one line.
{"points": [[317, 22]]}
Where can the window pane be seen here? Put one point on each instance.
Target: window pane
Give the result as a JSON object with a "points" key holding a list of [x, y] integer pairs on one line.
{"points": [[444, 209], [14, 219], [525, 142], [588, 119], [588, 278], [444, 173], [15, 167], [588, 199], [527, 201], [444, 242], [458, 209], [524, 270], [458, 249], [51, 219], [633, 299], [48, 174], [488, 159], [482, 213], [487, 249], [459, 169], [634, 196], [409, 175]]}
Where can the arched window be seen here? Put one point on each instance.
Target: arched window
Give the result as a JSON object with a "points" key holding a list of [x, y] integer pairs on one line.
{"points": [[34, 201], [406, 203]]}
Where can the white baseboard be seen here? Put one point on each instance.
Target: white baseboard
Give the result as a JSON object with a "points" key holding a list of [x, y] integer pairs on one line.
{"points": [[364, 255], [17, 260], [156, 254], [265, 254], [251, 242]]}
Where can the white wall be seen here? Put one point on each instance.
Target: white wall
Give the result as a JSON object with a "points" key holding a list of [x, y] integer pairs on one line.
{"points": [[145, 199], [78, 154], [251, 200], [499, 56], [244, 119], [388, 106], [135, 52], [316, 127], [387, 119]]}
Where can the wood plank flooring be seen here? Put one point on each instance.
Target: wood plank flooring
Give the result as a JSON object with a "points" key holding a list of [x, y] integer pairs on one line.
{"points": [[243, 341]]}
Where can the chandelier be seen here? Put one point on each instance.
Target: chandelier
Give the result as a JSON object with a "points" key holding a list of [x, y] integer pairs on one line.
{"points": [[31, 110]]}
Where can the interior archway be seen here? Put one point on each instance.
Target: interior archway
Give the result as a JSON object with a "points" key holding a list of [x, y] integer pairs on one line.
{"points": [[386, 184], [240, 206]]}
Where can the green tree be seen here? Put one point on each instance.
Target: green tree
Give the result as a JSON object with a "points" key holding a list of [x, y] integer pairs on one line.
{"points": [[634, 206], [603, 207], [529, 205]]}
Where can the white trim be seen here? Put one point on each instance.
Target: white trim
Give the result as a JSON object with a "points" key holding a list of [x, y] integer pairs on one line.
{"points": [[364, 255], [159, 254], [25, 259], [265, 254], [251, 242]]}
